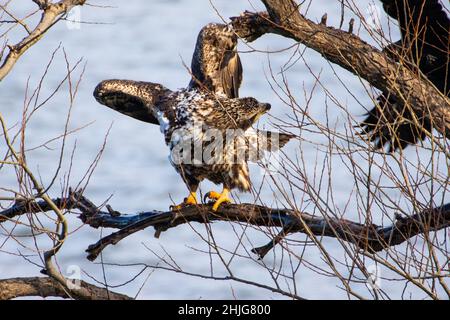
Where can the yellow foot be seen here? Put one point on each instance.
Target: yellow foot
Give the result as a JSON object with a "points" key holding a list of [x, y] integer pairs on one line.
{"points": [[219, 197], [190, 200], [211, 195]]}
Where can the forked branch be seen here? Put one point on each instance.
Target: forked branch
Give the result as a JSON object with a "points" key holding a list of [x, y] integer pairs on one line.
{"points": [[51, 14]]}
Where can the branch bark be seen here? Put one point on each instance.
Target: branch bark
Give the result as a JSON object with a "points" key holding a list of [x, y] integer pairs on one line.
{"points": [[351, 53], [51, 14], [369, 237], [48, 287]]}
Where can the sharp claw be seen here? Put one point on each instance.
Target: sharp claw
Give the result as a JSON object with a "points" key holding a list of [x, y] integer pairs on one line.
{"points": [[211, 195], [219, 197]]}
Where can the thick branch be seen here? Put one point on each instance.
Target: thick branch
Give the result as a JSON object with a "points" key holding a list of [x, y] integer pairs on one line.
{"points": [[52, 12], [351, 53], [370, 237], [48, 287]]}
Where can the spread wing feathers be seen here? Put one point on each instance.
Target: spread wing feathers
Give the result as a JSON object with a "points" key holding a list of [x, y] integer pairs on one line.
{"points": [[132, 98], [394, 125], [231, 75], [238, 113], [425, 29], [216, 65]]}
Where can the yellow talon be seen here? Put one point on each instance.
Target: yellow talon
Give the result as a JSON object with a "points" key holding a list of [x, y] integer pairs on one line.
{"points": [[211, 195], [223, 197], [190, 200]]}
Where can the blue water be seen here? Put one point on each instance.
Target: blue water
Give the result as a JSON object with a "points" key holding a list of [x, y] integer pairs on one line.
{"points": [[150, 41]]}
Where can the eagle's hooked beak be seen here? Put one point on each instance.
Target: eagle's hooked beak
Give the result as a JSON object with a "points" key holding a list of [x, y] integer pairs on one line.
{"points": [[265, 107], [255, 118]]}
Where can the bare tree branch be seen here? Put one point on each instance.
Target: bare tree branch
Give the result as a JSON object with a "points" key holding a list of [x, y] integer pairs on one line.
{"points": [[52, 12], [369, 237], [48, 287], [351, 53], [423, 266]]}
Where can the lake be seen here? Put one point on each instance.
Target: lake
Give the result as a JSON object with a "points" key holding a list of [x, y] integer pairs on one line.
{"points": [[150, 41]]}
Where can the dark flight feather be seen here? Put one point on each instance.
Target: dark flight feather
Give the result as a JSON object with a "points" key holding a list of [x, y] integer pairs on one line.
{"points": [[425, 29], [132, 98]]}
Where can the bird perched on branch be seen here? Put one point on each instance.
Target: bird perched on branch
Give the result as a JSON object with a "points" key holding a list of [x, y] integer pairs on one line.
{"points": [[207, 116], [425, 47]]}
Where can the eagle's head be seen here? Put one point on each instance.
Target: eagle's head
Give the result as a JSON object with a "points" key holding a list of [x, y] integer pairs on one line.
{"points": [[252, 110]]}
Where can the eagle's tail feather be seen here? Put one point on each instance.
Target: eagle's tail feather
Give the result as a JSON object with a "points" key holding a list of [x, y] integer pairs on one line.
{"points": [[260, 142], [273, 141]]}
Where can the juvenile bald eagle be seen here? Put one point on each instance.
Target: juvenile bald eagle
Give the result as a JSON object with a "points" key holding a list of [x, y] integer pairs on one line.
{"points": [[190, 118], [424, 45], [201, 116]]}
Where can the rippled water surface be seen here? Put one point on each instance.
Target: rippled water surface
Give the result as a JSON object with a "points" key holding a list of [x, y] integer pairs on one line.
{"points": [[150, 41]]}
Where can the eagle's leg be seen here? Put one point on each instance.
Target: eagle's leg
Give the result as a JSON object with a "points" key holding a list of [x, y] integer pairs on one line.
{"points": [[219, 197]]}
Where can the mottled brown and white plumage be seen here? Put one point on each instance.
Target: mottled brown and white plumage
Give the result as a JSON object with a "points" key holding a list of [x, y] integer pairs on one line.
{"points": [[216, 68], [209, 104], [197, 115], [132, 98], [216, 65], [187, 115]]}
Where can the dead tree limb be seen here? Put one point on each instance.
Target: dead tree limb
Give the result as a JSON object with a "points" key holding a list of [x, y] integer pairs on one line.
{"points": [[51, 14], [372, 238], [351, 53], [369, 237], [48, 287]]}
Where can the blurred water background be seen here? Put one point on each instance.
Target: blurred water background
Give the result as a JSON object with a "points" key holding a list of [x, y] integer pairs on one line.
{"points": [[149, 41]]}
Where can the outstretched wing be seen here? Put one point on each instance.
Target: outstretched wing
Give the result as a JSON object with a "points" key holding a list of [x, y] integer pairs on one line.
{"points": [[425, 29], [216, 65], [133, 98], [391, 124]]}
